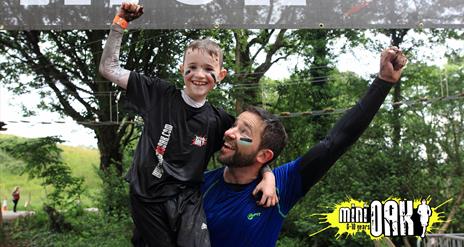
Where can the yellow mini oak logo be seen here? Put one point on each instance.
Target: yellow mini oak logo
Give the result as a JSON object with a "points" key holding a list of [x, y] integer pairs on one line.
{"points": [[378, 219]]}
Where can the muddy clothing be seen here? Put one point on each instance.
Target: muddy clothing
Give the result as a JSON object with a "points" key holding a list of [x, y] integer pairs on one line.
{"points": [[183, 136], [179, 139], [179, 221]]}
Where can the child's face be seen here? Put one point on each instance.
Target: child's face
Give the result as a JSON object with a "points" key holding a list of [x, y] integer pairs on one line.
{"points": [[201, 72]]}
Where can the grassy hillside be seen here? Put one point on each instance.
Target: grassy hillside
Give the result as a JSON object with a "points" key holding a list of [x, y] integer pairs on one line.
{"points": [[82, 161]]}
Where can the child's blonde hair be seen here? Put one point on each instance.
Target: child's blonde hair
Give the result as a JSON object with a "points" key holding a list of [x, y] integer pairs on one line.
{"points": [[206, 45]]}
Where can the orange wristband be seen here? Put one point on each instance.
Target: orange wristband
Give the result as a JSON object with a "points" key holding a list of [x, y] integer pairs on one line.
{"points": [[120, 21]]}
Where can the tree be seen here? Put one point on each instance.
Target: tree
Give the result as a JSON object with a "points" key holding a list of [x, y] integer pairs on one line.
{"points": [[243, 58], [62, 67], [46, 164], [426, 160], [315, 48]]}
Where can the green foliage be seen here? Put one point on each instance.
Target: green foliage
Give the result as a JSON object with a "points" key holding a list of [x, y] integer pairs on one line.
{"points": [[9, 163], [411, 151], [426, 162], [89, 229], [82, 162], [290, 242], [43, 161], [113, 198]]}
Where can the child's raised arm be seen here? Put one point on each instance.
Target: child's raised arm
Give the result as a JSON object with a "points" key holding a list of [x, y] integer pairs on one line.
{"points": [[109, 63]]}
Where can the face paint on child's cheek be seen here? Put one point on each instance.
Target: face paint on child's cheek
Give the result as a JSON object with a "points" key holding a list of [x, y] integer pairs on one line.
{"points": [[187, 72], [213, 74], [245, 141]]}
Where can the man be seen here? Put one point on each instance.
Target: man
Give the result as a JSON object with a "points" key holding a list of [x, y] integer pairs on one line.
{"points": [[233, 217]]}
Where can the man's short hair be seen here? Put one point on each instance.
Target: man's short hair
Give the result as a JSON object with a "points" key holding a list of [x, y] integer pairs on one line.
{"points": [[274, 136], [206, 45]]}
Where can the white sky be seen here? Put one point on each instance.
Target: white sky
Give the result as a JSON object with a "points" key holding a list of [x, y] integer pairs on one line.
{"points": [[363, 63], [10, 110]]}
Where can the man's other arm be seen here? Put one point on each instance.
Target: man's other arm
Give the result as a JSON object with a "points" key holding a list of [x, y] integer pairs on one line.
{"points": [[317, 161]]}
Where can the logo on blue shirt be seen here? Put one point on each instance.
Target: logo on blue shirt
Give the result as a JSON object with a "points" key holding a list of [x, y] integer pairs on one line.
{"points": [[251, 216]]}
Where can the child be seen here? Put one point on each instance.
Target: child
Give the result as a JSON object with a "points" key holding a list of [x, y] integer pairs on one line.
{"points": [[181, 132], [15, 196]]}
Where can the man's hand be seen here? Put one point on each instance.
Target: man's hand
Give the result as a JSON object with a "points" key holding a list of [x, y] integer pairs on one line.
{"points": [[265, 191], [130, 11], [392, 62]]}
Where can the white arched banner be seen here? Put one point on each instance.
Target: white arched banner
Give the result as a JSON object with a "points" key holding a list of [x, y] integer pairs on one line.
{"points": [[180, 14]]}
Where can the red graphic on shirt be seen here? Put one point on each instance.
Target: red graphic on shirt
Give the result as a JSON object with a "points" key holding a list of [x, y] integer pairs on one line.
{"points": [[199, 141], [160, 150]]}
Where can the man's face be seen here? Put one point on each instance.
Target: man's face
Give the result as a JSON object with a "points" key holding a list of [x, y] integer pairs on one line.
{"points": [[200, 70], [236, 153]]}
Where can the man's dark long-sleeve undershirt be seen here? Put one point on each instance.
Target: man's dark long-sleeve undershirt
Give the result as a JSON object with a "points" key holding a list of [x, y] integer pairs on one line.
{"points": [[317, 161]]}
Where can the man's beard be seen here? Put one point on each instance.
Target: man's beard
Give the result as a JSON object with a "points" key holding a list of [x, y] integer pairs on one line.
{"points": [[238, 160]]}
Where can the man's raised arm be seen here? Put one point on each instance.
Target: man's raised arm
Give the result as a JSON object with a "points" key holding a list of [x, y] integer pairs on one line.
{"points": [[317, 161], [109, 64]]}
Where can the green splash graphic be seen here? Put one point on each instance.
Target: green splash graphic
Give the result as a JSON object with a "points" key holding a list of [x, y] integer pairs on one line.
{"points": [[333, 219]]}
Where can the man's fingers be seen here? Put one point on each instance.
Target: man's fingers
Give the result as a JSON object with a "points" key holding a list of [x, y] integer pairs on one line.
{"points": [[391, 54], [392, 62], [400, 61], [394, 56], [386, 55], [395, 48]]}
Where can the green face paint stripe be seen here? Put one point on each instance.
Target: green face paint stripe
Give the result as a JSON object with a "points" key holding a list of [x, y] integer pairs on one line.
{"points": [[245, 143], [246, 139]]}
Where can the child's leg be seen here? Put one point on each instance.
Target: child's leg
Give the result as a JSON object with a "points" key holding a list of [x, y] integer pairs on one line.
{"points": [[192, 230], [137, 240], [15, 202], [152, 225]]}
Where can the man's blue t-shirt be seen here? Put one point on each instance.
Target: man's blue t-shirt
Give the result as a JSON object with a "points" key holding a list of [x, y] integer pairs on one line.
{"points": [[233, 214], [234, 218]]}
